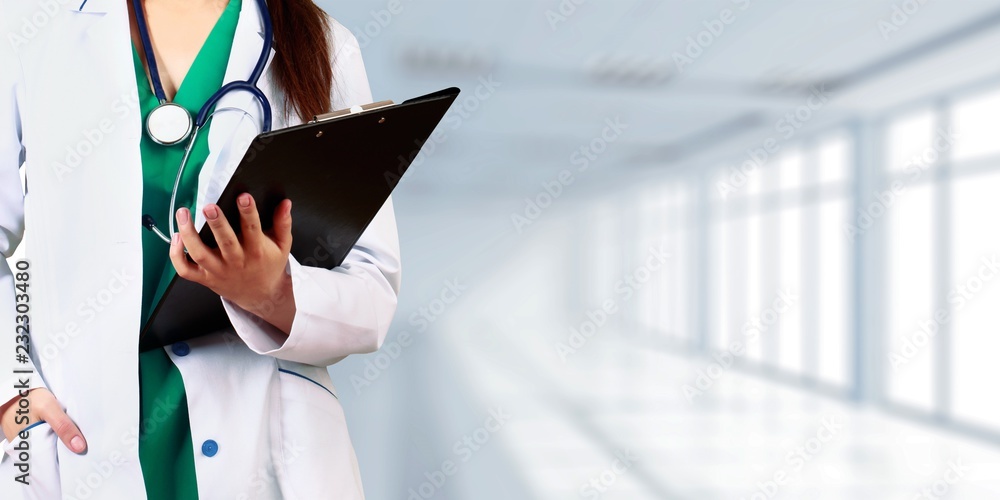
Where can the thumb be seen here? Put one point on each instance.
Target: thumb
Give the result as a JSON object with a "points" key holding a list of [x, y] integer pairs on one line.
{"points": [[67, 431], [282, 230]]}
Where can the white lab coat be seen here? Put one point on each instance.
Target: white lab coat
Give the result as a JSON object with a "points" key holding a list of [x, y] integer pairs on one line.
{"points": [[69, 114]]}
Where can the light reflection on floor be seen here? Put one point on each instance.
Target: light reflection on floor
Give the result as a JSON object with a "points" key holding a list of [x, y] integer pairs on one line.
{"points": [[612, 399]]}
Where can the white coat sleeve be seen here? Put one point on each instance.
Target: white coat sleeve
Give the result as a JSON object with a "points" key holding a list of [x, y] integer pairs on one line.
{"points": [[346, 310], [11, 219]]}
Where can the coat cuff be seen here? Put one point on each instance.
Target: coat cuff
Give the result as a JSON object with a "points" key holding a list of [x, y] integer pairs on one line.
{"points": [[321, 295], [9, 394], [13, 386]]}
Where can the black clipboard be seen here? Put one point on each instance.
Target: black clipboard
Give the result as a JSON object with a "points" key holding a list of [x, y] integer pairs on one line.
{"points": [[338, 170]]}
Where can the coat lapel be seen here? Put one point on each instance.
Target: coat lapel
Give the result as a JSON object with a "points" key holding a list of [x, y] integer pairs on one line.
{"points": [[239, 115], [91, 14], [93, 6], [234, 127], [98, 32]]}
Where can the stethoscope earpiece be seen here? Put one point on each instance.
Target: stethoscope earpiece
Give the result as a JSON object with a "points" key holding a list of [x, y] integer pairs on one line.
{"points": [[149, 223]]}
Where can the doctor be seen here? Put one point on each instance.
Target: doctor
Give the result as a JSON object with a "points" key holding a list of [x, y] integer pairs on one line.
{"points": [[94, 101]]}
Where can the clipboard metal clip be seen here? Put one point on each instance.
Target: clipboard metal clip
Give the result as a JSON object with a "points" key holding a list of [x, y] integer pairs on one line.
{"points": [[352, 111]]}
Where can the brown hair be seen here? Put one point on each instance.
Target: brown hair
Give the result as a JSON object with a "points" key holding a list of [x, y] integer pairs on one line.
{"points": [[302, 63]]}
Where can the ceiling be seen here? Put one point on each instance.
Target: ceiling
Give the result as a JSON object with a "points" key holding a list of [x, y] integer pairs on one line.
{"points": [[559, 82]]}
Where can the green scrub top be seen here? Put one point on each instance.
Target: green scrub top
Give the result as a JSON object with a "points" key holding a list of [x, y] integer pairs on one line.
{"points": [[166, 450]]}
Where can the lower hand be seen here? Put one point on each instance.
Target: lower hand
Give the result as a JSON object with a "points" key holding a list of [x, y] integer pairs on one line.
{"points": [[43, 406], [248, 270]]}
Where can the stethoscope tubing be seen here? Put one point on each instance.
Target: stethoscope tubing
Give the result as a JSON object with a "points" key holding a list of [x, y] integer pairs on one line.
{"points": [[206, 112], [252, 88], [147, 48]]}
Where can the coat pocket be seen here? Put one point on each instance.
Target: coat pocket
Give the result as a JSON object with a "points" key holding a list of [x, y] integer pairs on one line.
{"points": [[317, 459], [31, 473]]}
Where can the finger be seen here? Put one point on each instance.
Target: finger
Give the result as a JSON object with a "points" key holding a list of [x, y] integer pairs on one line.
{"points": [[197, 249], [184, 267], [229, 245], [67, 431], [282, 231], [253, 236]]}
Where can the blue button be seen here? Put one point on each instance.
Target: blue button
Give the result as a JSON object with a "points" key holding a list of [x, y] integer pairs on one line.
{"points": [[181, 349], [210, 448]]}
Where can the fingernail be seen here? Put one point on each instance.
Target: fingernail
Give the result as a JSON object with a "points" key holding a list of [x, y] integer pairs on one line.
{"points": [[244, 200], [175, 239], [77, 444], [211, 213], [182, 216]]}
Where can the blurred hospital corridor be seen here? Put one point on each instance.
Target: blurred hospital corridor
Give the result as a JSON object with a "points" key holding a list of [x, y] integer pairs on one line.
{"points": [[629, 413], [669, 249]]}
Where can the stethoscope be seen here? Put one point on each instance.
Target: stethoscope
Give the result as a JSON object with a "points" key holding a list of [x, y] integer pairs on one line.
{"points": [[170, 124]]}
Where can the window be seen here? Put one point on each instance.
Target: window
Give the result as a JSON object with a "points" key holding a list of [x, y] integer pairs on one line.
{"points": [[834, 317], [782, 250], [784, 263], [974, 298], [653, 298], [910, 294], [722, 321], [908, 139], [911, 258], [973, 246], [976, 122], [790, 345], [940, 295], [666, 303], [603, 250]]}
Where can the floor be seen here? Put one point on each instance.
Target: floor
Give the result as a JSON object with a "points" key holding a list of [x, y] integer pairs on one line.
{"points": [[612, 422]]}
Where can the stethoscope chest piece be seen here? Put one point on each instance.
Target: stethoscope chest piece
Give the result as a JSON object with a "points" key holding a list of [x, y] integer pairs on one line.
{"points": [[169, 124]]}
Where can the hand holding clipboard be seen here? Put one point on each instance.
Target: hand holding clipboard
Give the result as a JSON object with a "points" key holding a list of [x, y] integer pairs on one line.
{"points": [[338, 170]]}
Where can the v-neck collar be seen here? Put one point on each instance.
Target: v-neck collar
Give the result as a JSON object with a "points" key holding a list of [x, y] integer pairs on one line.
{"points": [[220, 37]]}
